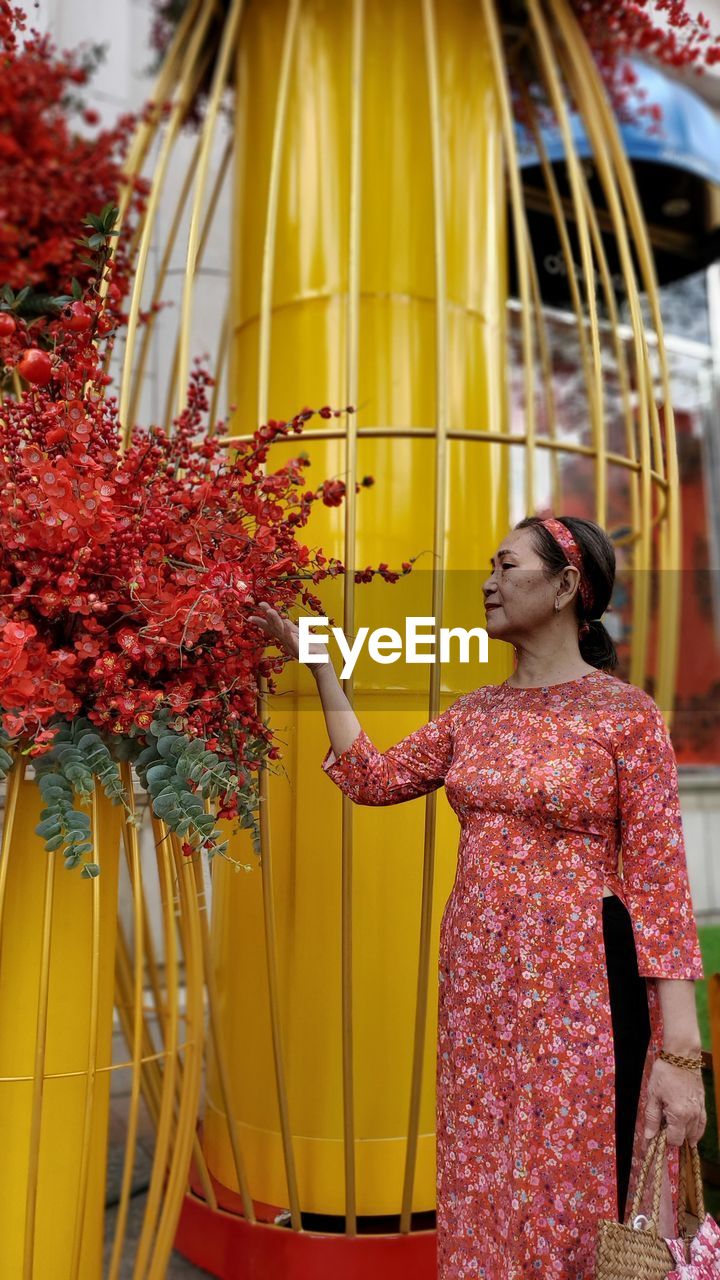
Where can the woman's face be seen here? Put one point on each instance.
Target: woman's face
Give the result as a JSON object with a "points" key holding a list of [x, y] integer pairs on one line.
{"points": [[519, 595]]}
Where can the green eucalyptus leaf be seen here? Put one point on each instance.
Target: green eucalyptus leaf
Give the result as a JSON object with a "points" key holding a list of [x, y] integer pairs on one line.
{"points": [[158, 773], [165, 806], [170, 746], [48, 827]]}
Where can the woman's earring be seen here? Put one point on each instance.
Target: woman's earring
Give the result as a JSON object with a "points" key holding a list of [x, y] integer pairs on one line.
{"points": [[557, 604]]}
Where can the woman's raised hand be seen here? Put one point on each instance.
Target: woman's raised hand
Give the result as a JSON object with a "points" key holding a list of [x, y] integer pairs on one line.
{"points": [[285, 633]]}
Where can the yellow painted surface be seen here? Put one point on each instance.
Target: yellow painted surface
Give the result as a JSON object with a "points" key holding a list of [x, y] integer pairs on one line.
{"points": [[398, 382], [69, 1001]]}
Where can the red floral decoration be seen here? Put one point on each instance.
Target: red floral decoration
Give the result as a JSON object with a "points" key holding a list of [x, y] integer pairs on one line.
{"points": [[50, 172], [127, 580], [615, 32]]}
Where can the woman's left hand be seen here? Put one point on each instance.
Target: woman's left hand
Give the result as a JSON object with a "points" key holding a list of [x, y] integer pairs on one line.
{"points": [[678, 1095]]}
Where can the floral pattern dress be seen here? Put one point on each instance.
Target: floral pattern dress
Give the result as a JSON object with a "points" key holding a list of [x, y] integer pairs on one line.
{"points": [[549, 784]]}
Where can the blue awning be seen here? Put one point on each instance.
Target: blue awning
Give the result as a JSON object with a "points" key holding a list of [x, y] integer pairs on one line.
{"points": [[686, 137]]}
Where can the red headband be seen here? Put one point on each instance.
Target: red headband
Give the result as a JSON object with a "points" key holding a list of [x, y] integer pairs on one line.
{"points": [[562, 534]]}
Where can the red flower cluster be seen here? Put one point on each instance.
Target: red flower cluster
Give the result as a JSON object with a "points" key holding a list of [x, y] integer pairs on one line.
{"points": [[50, 172], [126, 580], [616, 31]]}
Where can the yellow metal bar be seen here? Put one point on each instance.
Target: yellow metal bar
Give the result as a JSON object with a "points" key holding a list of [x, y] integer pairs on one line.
{"points": [[13, 784], [165, 1119], [557, 98], [159, 284], [438, 584], [602, 118], [588, 101], [92, 1050], [190, 77], [190, 1096], [620, 358], [132, 853], [218, 1040], [273, 989], [39, 1074], [185, 907], [219, 373], [547, 375], [520, 235], [149, 1057], [479, 437], [268, 263], [166, 78], [346, 835], [564, 238], [176, 382], [147, 131], [219, 83]]}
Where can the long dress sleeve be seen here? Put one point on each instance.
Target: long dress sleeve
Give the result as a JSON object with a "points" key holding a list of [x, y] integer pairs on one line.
{"points": [[655, 874], [413, 767]]}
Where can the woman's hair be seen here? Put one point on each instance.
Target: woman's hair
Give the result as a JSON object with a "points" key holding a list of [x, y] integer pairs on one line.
{"points": [[598, 558]]}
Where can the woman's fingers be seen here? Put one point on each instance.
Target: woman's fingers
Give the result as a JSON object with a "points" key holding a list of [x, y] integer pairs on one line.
{"points": [[696, 1131], [676, 1129], [653, 1116], [269, 620], [678, 1098], [688, 1122], [275, 627], [697, 1125]]}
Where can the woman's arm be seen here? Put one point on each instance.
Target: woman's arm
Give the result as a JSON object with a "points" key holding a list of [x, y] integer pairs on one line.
{"points": [[343, 725], [413, 767], [681, 1030], [657, 888], [676, 1093], [654, 863]]}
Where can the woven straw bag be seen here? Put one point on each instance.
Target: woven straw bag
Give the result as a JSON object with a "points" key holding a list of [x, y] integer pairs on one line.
{"points": [[625, 1252]]}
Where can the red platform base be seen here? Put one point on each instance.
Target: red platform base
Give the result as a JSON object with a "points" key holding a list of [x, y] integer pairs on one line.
{"points": [[224, 1243]]}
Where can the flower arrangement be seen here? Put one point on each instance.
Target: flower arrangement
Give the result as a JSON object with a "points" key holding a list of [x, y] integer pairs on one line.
{"points": [[126, 584]]}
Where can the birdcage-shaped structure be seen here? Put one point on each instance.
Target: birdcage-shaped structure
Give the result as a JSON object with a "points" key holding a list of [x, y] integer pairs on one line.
{"points": [[359, 163]]}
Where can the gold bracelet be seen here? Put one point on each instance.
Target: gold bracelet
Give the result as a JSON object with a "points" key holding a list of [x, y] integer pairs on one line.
{"points": [[690, 1064]]}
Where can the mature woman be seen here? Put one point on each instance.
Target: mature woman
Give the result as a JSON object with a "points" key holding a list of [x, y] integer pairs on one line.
{"points": [[567, 1030]]}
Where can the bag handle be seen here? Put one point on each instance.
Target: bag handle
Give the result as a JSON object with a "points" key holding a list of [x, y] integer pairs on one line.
{"points": [[656, 1147], [690, 1161]]}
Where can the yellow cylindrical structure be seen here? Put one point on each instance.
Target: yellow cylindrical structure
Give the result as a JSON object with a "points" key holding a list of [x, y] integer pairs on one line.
{"points": [[369, 262], [57, 964]]}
